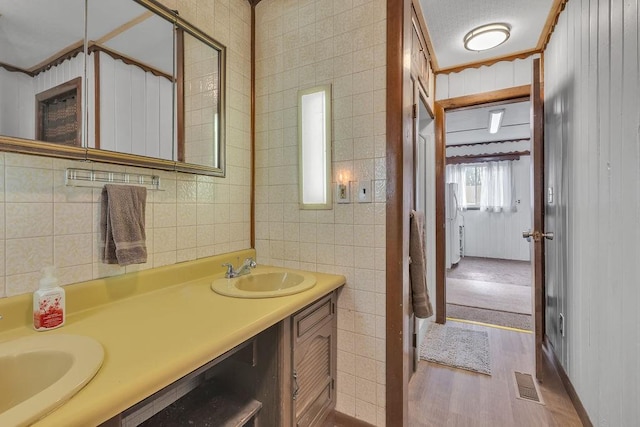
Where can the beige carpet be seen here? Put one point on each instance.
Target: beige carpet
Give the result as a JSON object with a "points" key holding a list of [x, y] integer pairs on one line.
{"points": [[457, 347], [489, 295], [495, 270], [491, 317]]}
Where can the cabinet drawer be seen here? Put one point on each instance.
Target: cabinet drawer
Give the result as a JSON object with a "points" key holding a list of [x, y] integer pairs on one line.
{"points": [[312, 318]]}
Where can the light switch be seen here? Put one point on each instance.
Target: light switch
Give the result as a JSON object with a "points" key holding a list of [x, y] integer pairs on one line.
{"points": [[365, 193], [550, 196]]}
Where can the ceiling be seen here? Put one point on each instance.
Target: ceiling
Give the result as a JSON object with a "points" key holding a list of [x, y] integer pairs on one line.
{"points": [[34, 31], [30, 31], [471, 125], [449, 20]]}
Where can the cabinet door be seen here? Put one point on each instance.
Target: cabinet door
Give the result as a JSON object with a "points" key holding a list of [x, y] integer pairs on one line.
{"points": [[424, 71], [416, 52], [313, 361], [313, 375]]}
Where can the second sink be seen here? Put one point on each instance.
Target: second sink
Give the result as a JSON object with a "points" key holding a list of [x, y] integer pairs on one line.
{"points": [[266, 283], [40, 372]]}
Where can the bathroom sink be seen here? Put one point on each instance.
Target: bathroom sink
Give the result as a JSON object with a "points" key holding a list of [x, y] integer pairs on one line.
{"points": [[39, 373], [267, 283]]}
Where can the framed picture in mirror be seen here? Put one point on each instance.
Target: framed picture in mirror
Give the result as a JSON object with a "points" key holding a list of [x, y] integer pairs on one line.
{"points": [[58, 114]]}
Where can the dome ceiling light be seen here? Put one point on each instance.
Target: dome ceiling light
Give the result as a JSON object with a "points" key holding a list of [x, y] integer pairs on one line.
{"points": [[486, 37]]}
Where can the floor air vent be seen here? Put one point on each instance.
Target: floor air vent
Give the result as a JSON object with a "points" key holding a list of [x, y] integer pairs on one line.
{"points": [[527, 388]]}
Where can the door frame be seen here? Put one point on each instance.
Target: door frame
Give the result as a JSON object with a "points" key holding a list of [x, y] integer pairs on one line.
{"points": [[538, 212], [399, 149], [419, 97], [441, 107]]}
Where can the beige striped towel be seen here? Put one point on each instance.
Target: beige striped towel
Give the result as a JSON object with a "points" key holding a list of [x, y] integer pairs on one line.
{"points": [[418, 267], [122, 218]]}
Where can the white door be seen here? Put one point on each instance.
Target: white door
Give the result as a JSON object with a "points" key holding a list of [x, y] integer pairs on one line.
{"points": [[424, 198]]}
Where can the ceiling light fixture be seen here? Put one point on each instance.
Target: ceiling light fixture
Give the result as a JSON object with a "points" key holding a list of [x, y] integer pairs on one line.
{"points": [[487, 37], [495, 120]]}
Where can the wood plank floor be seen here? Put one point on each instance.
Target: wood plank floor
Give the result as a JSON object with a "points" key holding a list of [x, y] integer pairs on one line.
{"points": [[442, 396]]}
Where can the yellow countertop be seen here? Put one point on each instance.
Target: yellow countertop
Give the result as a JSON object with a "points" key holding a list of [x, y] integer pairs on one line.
{"points": [[155, 326]]}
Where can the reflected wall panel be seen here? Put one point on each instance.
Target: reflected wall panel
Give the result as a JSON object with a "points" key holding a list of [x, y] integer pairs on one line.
{"points": [[18, 94], [136, 116], [17, 118]]}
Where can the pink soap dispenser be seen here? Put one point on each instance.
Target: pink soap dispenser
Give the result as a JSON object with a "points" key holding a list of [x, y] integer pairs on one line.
{"points": [[48, 302]]}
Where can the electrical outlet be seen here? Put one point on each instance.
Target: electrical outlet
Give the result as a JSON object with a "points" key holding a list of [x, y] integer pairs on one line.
{"points": [[343, 193], [562, 326]]}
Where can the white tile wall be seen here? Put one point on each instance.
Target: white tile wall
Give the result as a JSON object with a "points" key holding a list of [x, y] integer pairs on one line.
{"points": [[300, 44], [43, 222]]}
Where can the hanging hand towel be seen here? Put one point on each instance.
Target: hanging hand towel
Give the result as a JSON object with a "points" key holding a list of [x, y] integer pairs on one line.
{"points": [[122, 224], [418, 267]]}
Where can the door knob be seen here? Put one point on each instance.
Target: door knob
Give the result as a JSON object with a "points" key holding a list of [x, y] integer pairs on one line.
{"points": [[536, 235]]}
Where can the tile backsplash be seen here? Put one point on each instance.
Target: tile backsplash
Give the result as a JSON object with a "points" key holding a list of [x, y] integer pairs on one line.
{"points": [[44, 222]]}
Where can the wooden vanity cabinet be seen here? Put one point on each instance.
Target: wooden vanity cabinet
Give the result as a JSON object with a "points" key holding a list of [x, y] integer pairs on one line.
{"points": [[313, 361], [284, 376]]}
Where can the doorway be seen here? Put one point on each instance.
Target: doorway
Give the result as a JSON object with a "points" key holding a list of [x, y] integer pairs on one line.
{"points": [[424, 200], [467, 399], [498, 97], [487, 193], [536, 232], [487, 100]]}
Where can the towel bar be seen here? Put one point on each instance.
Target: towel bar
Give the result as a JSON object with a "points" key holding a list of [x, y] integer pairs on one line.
{"points": [[75, 177]]}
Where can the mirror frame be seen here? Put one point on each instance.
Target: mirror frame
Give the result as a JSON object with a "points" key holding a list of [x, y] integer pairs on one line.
{"points": [[41, 148]]}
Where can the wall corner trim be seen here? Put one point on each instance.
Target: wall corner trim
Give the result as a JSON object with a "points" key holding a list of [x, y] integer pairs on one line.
{"points": [[566, 382]]}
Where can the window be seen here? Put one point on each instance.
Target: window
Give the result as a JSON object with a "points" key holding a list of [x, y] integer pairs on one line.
{"points": [[486, 186], [314, 147], [473, 185]]}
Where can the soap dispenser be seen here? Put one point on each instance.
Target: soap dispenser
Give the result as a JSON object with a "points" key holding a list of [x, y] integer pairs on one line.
{"points": [[48, 302]]}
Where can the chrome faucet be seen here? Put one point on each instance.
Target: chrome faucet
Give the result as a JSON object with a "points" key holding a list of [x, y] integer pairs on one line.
{"points": [[245, 268]]}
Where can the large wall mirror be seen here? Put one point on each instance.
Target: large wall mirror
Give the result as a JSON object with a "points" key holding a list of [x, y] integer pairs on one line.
{"points": [[119, 81]]}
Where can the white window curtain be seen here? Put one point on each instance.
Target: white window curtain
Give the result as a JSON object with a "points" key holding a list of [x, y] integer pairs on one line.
{"points": [[497, 193], [457, 174]]}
